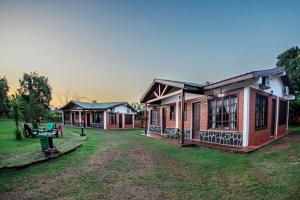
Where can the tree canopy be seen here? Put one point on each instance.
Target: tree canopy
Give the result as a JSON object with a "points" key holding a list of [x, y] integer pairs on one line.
{"points": [[3, 96], [291, 60], [35, 86], [37, 94]]}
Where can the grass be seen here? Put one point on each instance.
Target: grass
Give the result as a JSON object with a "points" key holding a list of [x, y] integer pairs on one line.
{"points": [[17, 152], [126, 165]]}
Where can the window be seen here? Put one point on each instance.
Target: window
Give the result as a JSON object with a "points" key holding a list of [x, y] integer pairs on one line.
{"points": [[98, 118], [261, 112], [77, 115], [222, 113], [283, 107], [112, 118], [172, 113], [155, 117], [128, 119]]}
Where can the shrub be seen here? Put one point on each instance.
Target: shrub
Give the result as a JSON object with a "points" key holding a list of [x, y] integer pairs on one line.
{"points": [[18, 134], [35, 124]]}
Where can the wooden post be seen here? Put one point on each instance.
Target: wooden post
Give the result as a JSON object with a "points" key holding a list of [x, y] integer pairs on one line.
{"points": [[145, 119], [182, 115]]}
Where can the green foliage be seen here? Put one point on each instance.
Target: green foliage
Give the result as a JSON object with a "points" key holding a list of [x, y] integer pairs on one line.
{"points": [[18, 134], [36, 92], [53, 116], [139, 107], [290, 59], [3, 96], [16, 105]]}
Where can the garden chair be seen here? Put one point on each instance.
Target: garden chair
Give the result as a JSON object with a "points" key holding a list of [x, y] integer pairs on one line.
{"points": [[50, 126], [28, 131]]}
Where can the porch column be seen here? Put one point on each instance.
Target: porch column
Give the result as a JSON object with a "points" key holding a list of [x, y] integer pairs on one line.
{"points": [[104, 120], [277, 114], [145, 119], [182, 115], [79, 118], [133, 119], [149, 117], [246, 117], [62, 118], [177, 113], [287, 116], [71, 117]]}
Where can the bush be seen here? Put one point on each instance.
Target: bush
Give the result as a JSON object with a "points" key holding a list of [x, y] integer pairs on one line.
{"points": [[35, 124], [18, 134]]}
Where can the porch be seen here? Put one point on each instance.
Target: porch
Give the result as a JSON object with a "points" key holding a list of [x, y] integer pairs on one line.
{"points": [[92, 119]]}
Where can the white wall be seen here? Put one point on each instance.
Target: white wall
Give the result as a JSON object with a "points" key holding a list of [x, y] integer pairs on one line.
{"points": [[175, 98], [123, 109]]}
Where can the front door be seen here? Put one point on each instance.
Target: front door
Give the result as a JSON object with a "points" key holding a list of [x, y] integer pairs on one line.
{"points": [[196, 121], [88, 119], [73, 118], [273, 117], [164, 120], [120, 120]]}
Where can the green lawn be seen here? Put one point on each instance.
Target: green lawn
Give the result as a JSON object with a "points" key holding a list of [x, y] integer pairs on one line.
{"points": [[13, 152], [126, 165]]}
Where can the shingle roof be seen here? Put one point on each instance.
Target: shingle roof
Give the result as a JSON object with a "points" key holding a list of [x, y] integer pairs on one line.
{"points": [[181, 83], [246, 76], [103, 106], [98, 106]]}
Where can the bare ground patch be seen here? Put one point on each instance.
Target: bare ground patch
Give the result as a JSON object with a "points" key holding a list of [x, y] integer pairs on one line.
{"points": [[285, 142], [128, 185]]}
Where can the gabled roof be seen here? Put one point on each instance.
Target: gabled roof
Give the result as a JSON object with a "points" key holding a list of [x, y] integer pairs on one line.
{"points": [[188, 86], [246, 76], [98, 106], [179, 84]]}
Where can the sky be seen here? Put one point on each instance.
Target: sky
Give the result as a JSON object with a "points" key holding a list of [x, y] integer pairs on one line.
{"points": [[112, 50]]}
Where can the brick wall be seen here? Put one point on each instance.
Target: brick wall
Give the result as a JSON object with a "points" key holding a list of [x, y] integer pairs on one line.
{"points": [[260, 136], [112, 126], [128, 125]]}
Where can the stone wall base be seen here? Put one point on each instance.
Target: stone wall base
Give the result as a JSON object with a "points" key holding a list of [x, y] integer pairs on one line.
{"points": [[222, 137]]}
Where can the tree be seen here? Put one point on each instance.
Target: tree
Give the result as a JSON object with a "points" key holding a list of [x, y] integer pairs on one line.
{"points": [[139, 107], [290, 59], [3, 96], [37, 94], [16, 105]]}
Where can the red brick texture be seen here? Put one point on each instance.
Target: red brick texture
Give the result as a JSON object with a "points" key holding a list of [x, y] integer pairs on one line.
{"points": [[116, 126], [257, 137], [128, 126]]}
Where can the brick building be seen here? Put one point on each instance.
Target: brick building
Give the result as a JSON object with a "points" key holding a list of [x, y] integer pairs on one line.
{"points": [[245, 110], [110, 115]]}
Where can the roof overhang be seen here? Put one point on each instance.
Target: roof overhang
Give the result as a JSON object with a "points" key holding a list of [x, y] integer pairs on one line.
{"points": [[174, 84]]}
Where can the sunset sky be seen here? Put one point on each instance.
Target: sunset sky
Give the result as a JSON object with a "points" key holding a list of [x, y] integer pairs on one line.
{"points": [[111, 50]]}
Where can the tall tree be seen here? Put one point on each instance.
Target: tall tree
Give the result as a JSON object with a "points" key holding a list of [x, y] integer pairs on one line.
{"points": [[37, 93], [16, 105], [3, 96], [290, 59]]}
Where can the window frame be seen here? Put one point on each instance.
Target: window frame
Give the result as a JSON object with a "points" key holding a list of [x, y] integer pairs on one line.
{"points": [[229, 97], [282, 120], [265, 112], [157, 118], [126, 119], [115, 118], [172, 113]]}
